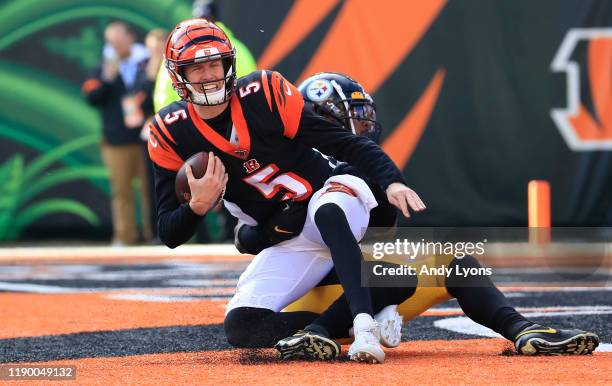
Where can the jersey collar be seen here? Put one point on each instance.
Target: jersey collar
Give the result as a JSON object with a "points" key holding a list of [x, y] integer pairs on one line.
{"points": [[242, 148]]}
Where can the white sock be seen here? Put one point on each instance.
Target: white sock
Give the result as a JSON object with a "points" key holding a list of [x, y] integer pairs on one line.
{"points": [[362, 322]]}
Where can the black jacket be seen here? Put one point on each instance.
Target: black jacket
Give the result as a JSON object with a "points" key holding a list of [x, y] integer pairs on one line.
{"points": [[108, 96]]}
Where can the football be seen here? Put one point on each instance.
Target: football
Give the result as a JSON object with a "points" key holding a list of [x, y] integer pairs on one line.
{"points": [[198, 163]]}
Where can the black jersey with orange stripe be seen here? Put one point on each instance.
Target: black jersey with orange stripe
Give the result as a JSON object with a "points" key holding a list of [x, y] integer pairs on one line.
{"points": [[268, 153], [265, 165]]}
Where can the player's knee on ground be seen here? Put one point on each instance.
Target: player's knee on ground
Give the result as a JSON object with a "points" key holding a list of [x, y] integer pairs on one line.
{"points": [[252, 327], [243, 327]]}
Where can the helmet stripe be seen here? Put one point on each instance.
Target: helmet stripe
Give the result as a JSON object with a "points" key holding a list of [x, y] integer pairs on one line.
{"points": [[188, 31], [200, 39]]}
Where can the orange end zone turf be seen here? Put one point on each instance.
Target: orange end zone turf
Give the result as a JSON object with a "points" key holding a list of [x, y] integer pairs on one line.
{"points": [[115, 340], [421, 362]]}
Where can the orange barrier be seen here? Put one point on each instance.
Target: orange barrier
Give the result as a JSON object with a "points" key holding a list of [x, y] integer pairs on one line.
{"points": [[538, 198]]}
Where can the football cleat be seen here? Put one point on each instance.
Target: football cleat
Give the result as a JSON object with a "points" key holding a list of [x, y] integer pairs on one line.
{"points": [[538, 340], [307, 345], [390, 322], [366, 346]]}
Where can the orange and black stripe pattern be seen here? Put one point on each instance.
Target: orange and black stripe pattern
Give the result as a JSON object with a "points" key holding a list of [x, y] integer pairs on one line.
{"points": [[160, 147], [186, 40], [340, 188], [289, 103]]}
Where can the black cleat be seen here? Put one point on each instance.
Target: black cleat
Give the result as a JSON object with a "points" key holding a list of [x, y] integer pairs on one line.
{"points": [[308, 345], [538, 340]]}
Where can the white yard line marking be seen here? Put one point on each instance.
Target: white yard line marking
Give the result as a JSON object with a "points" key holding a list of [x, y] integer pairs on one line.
{"points": [[111, 253], [161, 298], [464, 325]]}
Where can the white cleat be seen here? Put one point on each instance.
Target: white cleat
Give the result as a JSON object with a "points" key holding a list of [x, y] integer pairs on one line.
{"points": [[366, 347], [390, 322]]}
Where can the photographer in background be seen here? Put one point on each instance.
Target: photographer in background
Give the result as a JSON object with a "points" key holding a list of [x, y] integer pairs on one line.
{"points": [[113, 88]]}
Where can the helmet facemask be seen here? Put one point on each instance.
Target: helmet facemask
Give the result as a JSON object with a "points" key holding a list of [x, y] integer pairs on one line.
{"points": [[356, 112], [362, 120], [199, 92]]}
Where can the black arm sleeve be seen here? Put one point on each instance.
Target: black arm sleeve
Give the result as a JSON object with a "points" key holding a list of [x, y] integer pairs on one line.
{"points": [[382, 216], [176, 223], [385, 214], [332, 139]]}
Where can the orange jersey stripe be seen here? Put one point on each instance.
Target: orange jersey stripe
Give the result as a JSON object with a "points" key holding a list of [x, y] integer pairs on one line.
{"points": [[240, 150], [162, 126], [244, 138], [264, 85], [289, 102], [161, 153], [278, 98]]}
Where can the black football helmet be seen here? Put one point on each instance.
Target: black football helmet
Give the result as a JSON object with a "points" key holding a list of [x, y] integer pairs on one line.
{"points": [[339, 98]]}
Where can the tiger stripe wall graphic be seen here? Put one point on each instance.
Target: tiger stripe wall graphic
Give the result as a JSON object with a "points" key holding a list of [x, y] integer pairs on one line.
{"points": [[465, 91], [476, 98]]}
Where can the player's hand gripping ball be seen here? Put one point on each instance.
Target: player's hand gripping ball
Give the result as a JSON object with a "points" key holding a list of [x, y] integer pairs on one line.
{"points": [[201, 182]]}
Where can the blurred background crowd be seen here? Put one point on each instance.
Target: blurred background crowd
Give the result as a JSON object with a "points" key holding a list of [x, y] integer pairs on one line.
{"points": [[476, 99], [128, 87]]}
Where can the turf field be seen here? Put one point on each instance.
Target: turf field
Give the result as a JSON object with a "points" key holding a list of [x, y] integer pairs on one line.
{"points": [[154, 316]]}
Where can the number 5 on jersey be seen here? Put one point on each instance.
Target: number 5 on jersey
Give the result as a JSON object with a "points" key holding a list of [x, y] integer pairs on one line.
{"points": [[249, 88], [297, 188]]}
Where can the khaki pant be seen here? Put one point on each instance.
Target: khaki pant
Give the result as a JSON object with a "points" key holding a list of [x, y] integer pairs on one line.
{"points": [[126, 163]]}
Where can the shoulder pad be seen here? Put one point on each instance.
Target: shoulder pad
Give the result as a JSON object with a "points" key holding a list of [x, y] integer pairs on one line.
{"points": [[251, 77], [174, 106]]}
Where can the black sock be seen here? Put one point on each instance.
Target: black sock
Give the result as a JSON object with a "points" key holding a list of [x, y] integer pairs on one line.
{"points": [[482, 302], [318, 329], [509, 322], [336, 320], [346, 255]]}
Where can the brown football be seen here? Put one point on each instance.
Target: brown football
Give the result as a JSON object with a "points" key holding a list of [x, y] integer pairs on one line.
{"points": [[198, 163]]}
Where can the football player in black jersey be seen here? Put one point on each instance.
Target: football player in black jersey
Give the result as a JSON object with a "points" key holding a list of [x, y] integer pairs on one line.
{"points": [[260, 139], [349, 104]]}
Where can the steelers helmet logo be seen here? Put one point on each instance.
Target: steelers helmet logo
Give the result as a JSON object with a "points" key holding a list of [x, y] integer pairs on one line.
{"points": [[319, 90]]}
